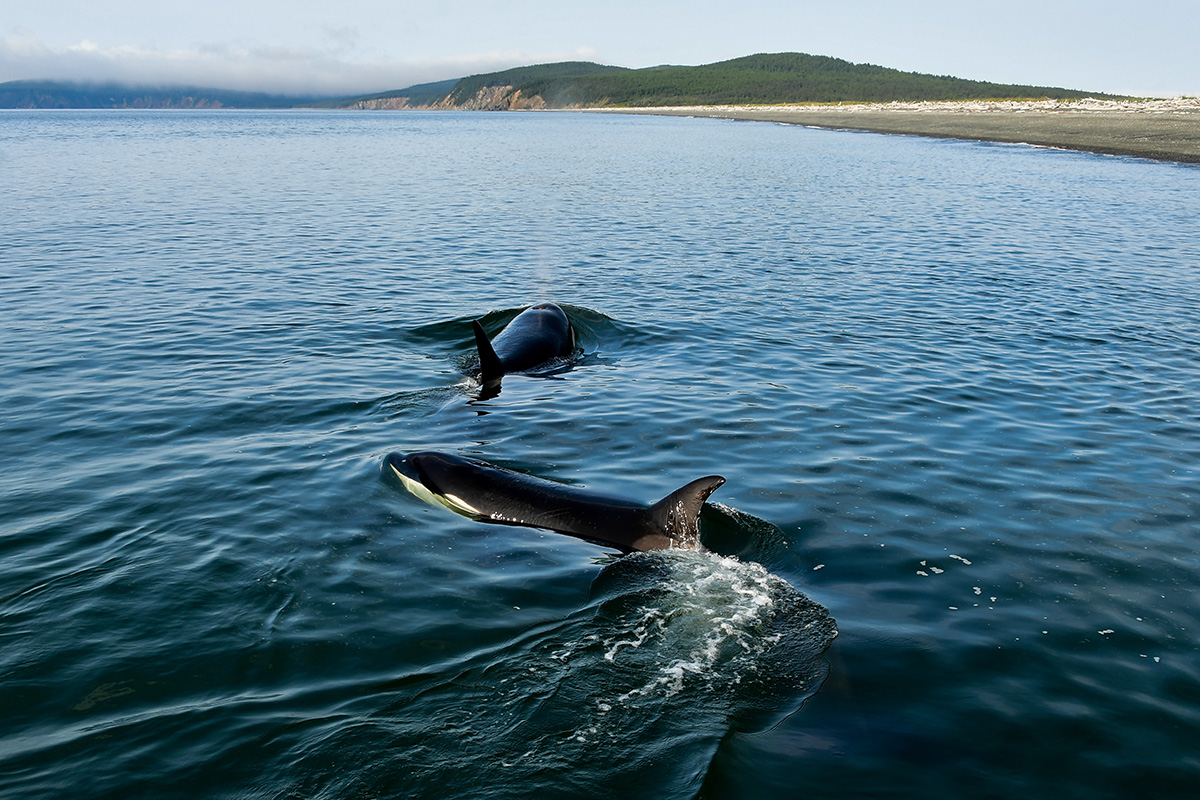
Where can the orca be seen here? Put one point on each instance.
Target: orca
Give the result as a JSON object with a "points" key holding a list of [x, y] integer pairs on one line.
{"points": [[493, 494], [537, 335]]}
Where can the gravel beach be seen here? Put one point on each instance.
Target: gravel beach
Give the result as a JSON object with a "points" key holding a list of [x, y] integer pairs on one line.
{"points": [[1167, 130]]}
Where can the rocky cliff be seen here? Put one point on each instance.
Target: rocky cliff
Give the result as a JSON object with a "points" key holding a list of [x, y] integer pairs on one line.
{"points": [[491, 98], [382, 104]]}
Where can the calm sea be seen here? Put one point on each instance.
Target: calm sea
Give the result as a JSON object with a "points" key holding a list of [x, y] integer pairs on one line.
{"points": [[953, 387]]}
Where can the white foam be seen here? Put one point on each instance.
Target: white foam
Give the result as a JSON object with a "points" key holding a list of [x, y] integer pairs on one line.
{"points": [[705, 623]]}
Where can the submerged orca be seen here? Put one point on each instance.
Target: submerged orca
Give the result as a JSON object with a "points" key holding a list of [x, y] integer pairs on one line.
{"points": [[493, 494], [538, 334]]}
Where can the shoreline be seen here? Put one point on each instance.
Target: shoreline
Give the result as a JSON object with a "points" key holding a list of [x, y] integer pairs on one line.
{"points": [[1163, 130]]}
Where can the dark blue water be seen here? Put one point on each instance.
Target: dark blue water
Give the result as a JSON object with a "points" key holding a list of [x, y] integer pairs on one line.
{"points": [[953, 387]]}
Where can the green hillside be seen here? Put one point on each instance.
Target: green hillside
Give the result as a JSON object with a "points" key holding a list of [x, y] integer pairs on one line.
{"points": [[760, 79]]}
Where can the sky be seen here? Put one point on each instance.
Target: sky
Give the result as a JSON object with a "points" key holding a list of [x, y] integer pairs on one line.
{"points": [[1145, 48]]}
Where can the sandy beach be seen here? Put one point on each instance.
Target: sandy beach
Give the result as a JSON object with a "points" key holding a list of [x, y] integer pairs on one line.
{"points": [[1167, 130]]}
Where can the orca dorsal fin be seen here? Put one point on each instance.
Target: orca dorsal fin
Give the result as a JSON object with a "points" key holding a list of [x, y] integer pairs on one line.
{"points": [[678, 514], [490, 367]]}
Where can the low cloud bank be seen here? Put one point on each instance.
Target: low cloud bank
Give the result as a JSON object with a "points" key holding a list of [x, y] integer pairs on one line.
{"points": [[273, 69]]}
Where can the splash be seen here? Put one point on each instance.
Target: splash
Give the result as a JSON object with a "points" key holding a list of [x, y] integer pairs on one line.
{"points": [[719, 631], [708, 623]]}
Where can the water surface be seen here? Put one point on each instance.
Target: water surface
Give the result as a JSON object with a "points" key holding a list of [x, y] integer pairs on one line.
{"points": [[952, 387]]}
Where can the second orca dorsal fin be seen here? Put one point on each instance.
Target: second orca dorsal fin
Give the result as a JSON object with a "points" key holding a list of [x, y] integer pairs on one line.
{"points": [[490, 367], [678, 514]]}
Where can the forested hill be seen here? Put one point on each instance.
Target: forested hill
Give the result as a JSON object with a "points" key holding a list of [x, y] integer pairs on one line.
{"points": [[759, 79]]}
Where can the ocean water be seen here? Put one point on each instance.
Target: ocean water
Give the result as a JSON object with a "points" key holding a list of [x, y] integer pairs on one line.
{"points": [[952, 386]]}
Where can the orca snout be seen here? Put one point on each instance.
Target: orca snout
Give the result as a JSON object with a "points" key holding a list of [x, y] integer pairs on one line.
{"points": [[421, 466], [400, 464]]}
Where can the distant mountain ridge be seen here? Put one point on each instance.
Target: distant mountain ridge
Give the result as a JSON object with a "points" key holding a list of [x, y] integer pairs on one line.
{"points": [[763, 79], [57, 94]]}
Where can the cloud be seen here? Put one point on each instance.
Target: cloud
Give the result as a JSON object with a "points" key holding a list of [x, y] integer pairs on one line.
{"points": [[329, 69]]}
